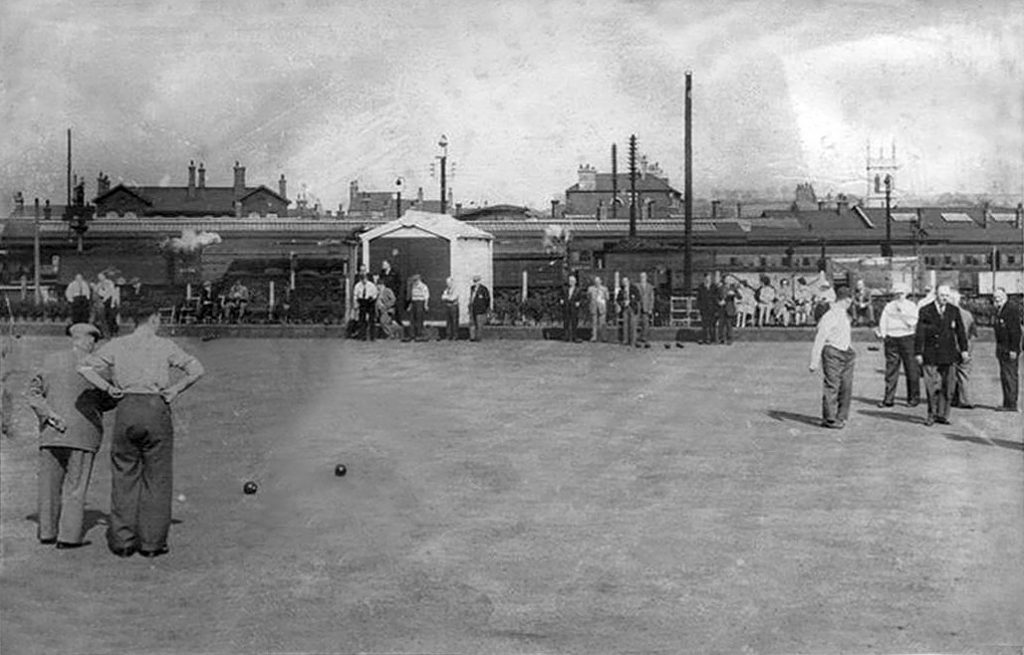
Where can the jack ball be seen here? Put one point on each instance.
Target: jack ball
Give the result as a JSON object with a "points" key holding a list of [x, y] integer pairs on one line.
{"points": [[249, 488], [340, 470]]}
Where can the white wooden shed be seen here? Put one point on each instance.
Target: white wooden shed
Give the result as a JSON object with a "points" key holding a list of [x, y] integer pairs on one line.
{"points": [[435, 246]]}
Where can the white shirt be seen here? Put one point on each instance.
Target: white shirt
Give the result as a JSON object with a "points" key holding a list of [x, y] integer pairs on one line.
{"points": [[898, 319], [833, 330], [365, 290]]}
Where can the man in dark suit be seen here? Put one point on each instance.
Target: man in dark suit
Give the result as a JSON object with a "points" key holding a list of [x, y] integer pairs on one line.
{"points": [[628, 301], [391, 278], [479, 305], [571, 301], [707, 305], [940, 343], [1008, 335]]}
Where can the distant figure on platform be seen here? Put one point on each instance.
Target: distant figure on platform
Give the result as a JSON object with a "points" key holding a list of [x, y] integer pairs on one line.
{"points": [[597, 293], [79, 295], [727, 295], [390, 278], [646, 290], [208, 303], [479, 305], [896, 327], [1008, 336], [419, 305], [571, 301], [864, 312], [765, 301], [365, 294], [833, 350], [238, 301], [940, 344], [450, 300], [961, 392], [628, 301], [108, 303], [70, 413], [707, 305]]}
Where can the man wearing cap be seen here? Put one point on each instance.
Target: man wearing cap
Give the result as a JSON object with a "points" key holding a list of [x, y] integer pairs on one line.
{"points": [[940, 343], [70, 413], [1008, 335], [479, 305], [78, 295], [143, 441], [896, 327], [833, 350]]}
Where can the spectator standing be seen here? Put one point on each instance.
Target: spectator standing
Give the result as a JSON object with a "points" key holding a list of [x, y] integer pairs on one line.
{"points": [[834, 352], [571, 301], [961, 393], [479, 305], [419, 295], [70, 413], [598, 295], [646, 290], [765, 301], [727, 295], [940, 344], [78, 294], [365, 294], [864, 311], [386, 311], [391, 278], [141, 451], [450, 300], [1008, 336], [628, 302], [107, 303], [896, 327], [707, 305]]}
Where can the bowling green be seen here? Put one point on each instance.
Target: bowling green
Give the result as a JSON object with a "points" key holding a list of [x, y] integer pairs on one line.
{"points": [[538, 497]]}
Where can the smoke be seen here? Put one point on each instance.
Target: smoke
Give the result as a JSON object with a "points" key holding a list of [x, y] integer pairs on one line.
{"points": [[556, 238], [190, 241]]}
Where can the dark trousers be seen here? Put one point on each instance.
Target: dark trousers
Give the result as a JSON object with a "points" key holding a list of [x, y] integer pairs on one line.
{"points": [[707, 325], [900, 350], [725, 327], [80, 309], [939, 384], [418, 314], [63, 483], [837, 369], [367, 318], [644, 327], [476, 326], [451, 318], [141, 454], [1009, 378], [570, 323], [628, 319]]}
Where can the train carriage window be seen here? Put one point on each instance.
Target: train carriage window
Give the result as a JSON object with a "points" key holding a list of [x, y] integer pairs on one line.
{"points": [[734, 261], [1011, 259], [805, 261]]}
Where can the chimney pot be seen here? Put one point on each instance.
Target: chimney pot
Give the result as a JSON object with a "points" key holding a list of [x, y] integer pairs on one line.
{"points": [[191, 179], [239, 180], [739, 210], [202, 176], [715, 204], [282, 186]]}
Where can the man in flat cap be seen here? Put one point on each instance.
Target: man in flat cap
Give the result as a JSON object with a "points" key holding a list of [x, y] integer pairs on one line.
{"points": [[70, 412]]}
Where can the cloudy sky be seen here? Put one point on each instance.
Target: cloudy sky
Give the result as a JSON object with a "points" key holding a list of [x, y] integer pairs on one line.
{"points": [[526, 91]]}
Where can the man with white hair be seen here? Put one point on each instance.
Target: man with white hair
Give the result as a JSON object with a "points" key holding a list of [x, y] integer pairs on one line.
{"points": [[961, 397], [896, 327], [833, 351], [940, 343], [1008, 336]]}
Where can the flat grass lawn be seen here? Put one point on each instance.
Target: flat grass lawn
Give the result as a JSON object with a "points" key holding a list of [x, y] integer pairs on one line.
{"points": [[540, 497]]}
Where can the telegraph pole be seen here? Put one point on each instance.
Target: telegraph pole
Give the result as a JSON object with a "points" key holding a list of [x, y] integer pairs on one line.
{"points": [[444, 161], [688, 187], [35, 256], [69, 168], [887, 248], [615, 182], [632, 185]]}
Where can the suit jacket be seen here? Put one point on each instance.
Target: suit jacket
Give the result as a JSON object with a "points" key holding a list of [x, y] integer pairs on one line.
{"points": [[628, 299], [58, 388], [479, 300], [727, 301], [572, 299], [707, 299], [646, 297], [940, 338], [1008, 329]]}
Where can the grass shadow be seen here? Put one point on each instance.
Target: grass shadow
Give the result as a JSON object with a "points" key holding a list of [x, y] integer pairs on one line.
{"points": [[893, 416], [1001, 443], [780, 415], [92, 518]]}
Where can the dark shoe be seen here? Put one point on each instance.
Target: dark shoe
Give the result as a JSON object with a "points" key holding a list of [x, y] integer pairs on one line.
{"points": [[929, 421], [968, 406], [943, 421], [65, 545], [913, 403], [155, 553], [127, 551], [884, 404], [48, 542]]}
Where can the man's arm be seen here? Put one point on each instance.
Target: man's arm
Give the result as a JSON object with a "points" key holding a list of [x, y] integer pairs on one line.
{"points": [[90, 370], [36, 395], [819, 340], [193, 371]]}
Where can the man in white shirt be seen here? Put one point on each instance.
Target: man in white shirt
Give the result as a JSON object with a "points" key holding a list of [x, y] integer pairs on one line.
{"points": [[78, 295], [833, 350], [896, 327], [365, 294]]}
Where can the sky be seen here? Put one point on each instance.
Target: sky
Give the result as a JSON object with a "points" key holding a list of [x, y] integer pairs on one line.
{"points": [[327, 92]]}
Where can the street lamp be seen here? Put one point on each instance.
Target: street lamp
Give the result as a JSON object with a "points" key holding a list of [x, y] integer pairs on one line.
{"points": [[444, 161], [398, 197]]}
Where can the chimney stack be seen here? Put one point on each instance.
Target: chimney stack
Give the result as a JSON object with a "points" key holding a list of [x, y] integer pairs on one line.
{"points": [[282, 186], [715, 204], [588, 178], [192, 179], [1020, 215], [984, 215], [554, 206], [202, 176], [239, 180], [102, 184], [739, 210], [842, 205]]}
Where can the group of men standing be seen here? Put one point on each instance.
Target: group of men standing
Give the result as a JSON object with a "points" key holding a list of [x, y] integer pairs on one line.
{"points": [[69, 394], [100, 302], [930, 340], [382, 300], [717, 306], [633, 305]]}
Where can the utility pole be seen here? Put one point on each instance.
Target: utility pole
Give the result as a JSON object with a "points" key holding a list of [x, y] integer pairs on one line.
{"points": [[444, 161], [688, 187], [36, 258], [615, 182], [398, 205], [887, 248], [69, 168], [632, 185]]}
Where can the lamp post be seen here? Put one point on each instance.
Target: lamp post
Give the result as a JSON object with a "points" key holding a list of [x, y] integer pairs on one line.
{"points": [[887, 248], [444, 183], [398, 198], [35, 255]]}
